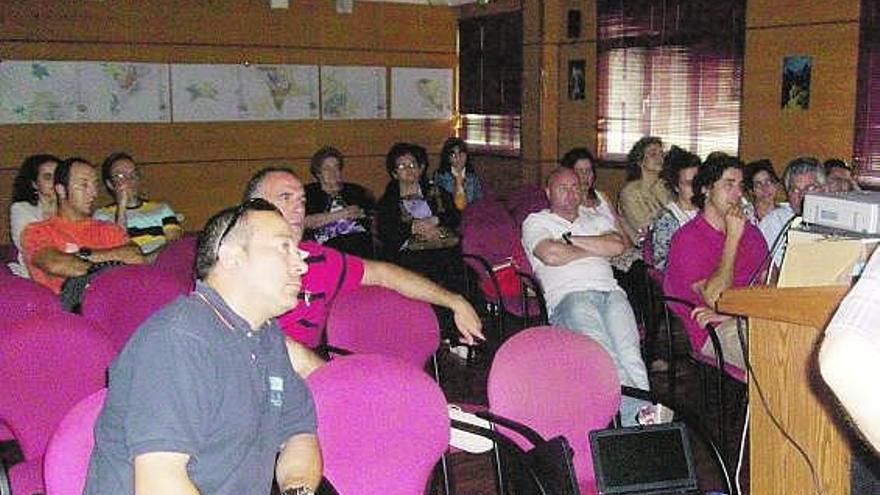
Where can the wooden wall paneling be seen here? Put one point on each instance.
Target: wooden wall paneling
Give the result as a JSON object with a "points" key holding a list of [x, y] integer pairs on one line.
{"points": [[825, 129], [198, 167]]}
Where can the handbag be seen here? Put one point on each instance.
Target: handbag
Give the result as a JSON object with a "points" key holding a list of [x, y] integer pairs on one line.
{"points": [[551, 464], [508, 280]]}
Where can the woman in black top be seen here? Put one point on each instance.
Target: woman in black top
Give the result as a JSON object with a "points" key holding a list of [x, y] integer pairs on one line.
{"points": [[338, 213], [417, 219]]}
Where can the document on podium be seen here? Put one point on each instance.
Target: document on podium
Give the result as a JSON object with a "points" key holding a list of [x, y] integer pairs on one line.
{"points": [[813, 259]]}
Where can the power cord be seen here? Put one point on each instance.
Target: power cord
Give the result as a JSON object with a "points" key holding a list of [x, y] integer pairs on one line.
{"points": [[754, 378]]}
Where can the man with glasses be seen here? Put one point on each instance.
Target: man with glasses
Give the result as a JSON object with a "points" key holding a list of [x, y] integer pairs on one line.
{"points": [[71, 243], [203, 399], [801, 175], [150, 224], [332, 272]]}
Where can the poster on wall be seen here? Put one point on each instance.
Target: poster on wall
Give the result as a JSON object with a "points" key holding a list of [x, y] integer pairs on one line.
{"points": [[353, 92], [418, 93], [577, 80], [36, 91], [223, 92], [796, 72]]}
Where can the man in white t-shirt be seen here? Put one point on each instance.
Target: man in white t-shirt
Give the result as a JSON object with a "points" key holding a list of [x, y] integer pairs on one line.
{"points": [[569, 247]]}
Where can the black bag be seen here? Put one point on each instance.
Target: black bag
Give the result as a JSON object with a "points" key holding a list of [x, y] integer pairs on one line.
{"points": [[551, 464]]}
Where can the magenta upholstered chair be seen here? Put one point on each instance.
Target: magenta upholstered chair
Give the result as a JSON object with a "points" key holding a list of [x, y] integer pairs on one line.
{"points": [[376, 320], [525, 201], [48, 363], [557, 382], [383, 425], [179, 257], [22, 297], [66, 462], [119, 299]]}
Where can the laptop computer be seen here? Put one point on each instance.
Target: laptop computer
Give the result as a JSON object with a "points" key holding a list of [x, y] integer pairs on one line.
{"points": [[643, 460]]}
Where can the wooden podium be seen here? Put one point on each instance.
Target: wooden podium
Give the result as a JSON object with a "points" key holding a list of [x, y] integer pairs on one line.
{"points": [[785, 328]]}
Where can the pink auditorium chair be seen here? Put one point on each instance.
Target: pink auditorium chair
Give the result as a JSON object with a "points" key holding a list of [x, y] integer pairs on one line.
{"points": [[179, 257], [376, 320], [383, 425], [22, 297], [526, 201], [66, 462], [119, 299], [556, 382], [48, 363]]}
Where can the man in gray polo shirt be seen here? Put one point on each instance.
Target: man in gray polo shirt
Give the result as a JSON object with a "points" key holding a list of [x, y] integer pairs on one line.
{"points": [[203, 397]]}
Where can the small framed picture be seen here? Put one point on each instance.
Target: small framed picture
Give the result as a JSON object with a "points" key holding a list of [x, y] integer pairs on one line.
{"points": [[577, 80], [796, 72], [574, 23]]}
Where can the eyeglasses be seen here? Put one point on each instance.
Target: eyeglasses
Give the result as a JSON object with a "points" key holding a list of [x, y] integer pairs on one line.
{"points": [[408, 164], [135, 175], [253, 204]]}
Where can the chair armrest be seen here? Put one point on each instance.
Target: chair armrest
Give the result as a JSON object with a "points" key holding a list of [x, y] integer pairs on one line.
{"points": [[528, 433], [330, 349], [486, 267], [529, 280]]}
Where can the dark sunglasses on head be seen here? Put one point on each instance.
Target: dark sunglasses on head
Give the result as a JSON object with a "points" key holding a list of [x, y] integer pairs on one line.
{"points": [[253, 204]]}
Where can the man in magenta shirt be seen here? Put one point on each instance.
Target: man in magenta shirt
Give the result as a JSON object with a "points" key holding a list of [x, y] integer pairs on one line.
{"points": [[716, 250], [332, 272]]}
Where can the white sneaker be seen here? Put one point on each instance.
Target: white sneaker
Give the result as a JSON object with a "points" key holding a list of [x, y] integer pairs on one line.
{"points": [[465, 440]]}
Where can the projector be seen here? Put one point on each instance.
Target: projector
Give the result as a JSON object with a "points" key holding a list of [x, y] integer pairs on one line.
{"points": [[854, 211]]}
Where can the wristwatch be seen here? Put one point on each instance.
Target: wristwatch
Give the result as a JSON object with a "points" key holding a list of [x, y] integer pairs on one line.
{"points": [[298, 490], [567, 238]]}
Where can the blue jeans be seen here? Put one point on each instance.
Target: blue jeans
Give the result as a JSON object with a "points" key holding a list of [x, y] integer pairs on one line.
{"points": [[607, 318]]}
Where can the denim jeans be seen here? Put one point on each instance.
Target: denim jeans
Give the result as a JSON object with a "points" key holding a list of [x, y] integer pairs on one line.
{"points": [[608, 319]]}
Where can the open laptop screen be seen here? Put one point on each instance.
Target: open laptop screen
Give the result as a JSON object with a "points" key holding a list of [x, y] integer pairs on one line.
{"points": [[641, 460]]}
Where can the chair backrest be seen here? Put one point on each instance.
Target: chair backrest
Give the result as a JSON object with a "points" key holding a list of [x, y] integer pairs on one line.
{"points": [[376, 320], [48, 363], [22, 297], [487, 230], [526, 201], [179, 257], [557, 382], [119, 299], [383, 424], [66, 462]]}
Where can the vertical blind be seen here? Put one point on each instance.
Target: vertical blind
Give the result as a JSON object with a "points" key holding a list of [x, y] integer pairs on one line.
{"points": [[866, 147], [490, 81], [672, 69]]}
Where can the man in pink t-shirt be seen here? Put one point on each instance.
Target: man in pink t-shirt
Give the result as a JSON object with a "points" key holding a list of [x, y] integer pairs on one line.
{"points": [[332, 272], [717, 250]]}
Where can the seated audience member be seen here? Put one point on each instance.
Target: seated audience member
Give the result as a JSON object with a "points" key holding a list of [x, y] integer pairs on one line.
{"points": [[569, 247], [679, 169], [840, 177], [850, 355], [644, 194], [332, 272], [717, 250], [203, 399], [762, 186], [337, 212], [801, 175], [68, 244], [33, 200], [456, 174], [417, 219], [149, 224]]}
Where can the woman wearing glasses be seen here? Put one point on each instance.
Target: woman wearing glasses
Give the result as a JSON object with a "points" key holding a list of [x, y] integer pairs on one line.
{"points": [[456, 174], [417, 219], [149, 224]]}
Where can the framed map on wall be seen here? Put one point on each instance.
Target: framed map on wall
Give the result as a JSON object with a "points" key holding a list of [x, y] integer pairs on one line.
{"points": [[353, 92], [36, 91], [223, 92], [418, 93]]}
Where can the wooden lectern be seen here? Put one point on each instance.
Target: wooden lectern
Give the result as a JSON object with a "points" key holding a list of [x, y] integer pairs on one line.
{"points": [[785, 327]]}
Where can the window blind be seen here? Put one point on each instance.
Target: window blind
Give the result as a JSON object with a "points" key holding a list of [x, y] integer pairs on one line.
{"points": [[866, 146], [672, 69]]}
